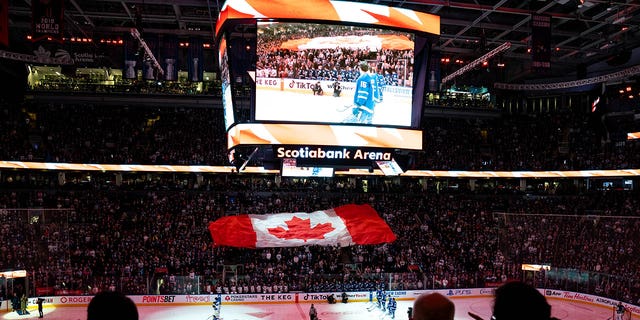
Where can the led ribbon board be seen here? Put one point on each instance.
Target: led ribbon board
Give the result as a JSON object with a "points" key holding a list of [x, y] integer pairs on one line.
{"points": [[323, 135]]}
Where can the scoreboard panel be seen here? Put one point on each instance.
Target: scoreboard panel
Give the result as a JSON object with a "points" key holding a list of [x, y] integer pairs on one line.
{"points": [[324, 74]]}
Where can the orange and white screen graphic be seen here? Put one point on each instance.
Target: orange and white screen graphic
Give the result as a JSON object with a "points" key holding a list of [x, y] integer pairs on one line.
{"points": [[326, 10], [323, 135]]}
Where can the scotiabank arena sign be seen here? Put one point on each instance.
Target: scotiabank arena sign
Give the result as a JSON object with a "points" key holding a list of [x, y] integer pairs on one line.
{"points": [[332, 155]]}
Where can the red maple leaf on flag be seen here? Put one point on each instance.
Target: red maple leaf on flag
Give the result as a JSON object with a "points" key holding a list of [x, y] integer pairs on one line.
{"points": [[301, 229]]}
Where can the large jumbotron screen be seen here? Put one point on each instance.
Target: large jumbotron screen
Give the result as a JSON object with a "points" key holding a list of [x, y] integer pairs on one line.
{"points": [[327, 73], [308, 73]]}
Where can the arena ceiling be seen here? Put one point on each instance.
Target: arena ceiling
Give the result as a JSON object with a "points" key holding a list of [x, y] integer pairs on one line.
{"points": [[582, 33]]}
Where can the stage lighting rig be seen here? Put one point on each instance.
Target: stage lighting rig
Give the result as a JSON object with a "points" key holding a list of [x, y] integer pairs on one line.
{"points": [[477, 62], [148, 54]]}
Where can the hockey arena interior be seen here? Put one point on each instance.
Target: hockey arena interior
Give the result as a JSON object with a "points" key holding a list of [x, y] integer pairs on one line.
{"points": [[320, 159]]}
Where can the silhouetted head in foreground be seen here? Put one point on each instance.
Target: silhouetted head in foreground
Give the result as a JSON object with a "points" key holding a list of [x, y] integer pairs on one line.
{"points": [[520, 301], [433, 306], [109, 305]]}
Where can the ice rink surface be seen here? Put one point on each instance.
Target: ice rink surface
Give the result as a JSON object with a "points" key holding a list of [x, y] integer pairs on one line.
{"points": [[305, 107], [561, 309]]}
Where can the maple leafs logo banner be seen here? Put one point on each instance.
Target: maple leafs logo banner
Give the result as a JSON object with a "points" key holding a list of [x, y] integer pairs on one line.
{"points": [[344, 226]]}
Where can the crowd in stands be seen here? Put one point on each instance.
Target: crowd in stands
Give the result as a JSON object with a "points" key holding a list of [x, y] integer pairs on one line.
{"points": [[147, 233], [101, 81], [195, 136], [559, 141], [146, 87], [461, 103], [103, 134], [129, 237]]}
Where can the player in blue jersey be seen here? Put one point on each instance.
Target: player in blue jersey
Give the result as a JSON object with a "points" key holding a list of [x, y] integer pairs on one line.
{"points": [[366, 95], [384, 301], [217, 301], [391, 307]]}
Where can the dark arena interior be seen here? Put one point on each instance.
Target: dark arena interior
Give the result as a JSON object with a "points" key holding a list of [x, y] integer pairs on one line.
{"points": [[500, 142]]}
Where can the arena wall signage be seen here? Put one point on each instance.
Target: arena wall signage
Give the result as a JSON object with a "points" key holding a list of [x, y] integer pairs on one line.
{"points": [[323, 134], [303, 298], [333, 155]]}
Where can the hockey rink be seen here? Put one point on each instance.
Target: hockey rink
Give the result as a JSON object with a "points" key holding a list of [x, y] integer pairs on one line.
{"points": [[561, 309], [305, 107]]}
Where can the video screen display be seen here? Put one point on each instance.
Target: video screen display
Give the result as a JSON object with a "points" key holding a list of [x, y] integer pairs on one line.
{"points": [[322, 73], [225, 77], [290, 169], [390, 167]]}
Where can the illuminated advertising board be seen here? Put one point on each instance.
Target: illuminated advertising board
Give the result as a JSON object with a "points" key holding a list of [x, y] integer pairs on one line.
{"points": [[323, 135], [290, 169], [335, 156]]}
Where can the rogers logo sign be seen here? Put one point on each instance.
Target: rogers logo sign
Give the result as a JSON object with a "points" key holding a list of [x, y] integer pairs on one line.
{"points": [[75, 299]]}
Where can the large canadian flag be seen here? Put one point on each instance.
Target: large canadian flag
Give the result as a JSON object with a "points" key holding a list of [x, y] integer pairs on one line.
{"points": [[345, 225]]}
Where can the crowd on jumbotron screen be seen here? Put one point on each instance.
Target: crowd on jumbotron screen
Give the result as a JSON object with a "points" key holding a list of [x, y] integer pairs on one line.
{"points": [[339, 63], [146, 233]]}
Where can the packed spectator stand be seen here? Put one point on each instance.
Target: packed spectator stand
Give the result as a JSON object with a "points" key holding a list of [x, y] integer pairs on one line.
{"points": [[147, 233], [131, 236], [195, 136]]}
